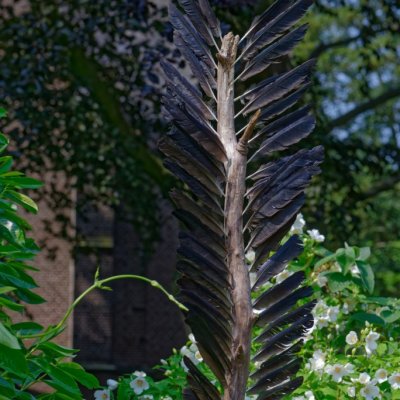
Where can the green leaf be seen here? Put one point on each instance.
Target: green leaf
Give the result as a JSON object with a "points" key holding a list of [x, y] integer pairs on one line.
{"points": [[7, 338], [27, 328], [383, 301], [337, 282], [11, 232], [3, 140], [346, 258], [6, 289], [390, 316], [18, 279], [5, 164], [79, 374], [29, 297], [366, 275], [21, 182], [13, 360], [57, 350], [367, 317], [7, 388], [22, 200], [325, 260], [12, 305], [364, 253]]}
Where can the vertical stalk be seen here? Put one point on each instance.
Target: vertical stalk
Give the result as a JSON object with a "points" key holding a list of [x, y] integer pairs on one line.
{"points": [[234, 194]]}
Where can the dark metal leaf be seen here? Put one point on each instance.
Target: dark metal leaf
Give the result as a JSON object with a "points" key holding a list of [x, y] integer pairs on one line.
{"points": [[199, 68], [279, 291], [288, 136], [275, 377], [193, 11], [276, 310], [280, 391], [276, 27], [279, 342], [212, 20], [286, 319], [276, 264], [271, 53], [199, 384], [190, 36], [280, 87]]}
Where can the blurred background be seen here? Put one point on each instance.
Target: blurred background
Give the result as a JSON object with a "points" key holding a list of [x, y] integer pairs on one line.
{"points": [[82, 85]]}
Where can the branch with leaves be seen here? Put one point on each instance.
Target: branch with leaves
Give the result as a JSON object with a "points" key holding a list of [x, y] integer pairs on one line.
{"points": [[216, 137]]}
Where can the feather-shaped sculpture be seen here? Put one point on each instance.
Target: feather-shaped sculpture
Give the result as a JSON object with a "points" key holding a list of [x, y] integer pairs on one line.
{"points": [[225, 211]]}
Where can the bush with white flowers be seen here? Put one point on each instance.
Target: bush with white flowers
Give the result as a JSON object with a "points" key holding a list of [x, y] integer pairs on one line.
{"points": [[352, 352]]}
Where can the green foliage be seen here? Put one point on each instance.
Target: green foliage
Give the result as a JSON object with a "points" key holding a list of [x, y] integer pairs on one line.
{"points": [[356, 94], [352, 346], [28, 355]]}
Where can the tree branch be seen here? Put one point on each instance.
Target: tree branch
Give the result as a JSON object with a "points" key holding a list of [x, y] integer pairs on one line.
{"points": [[236, 376], [368, 105], [322, 47]]}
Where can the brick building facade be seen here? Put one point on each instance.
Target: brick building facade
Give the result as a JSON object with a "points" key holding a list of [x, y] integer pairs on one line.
{"points": [[131, 327]]}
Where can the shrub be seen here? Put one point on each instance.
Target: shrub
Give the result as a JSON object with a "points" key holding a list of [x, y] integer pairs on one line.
{"points": [[350, 353]]}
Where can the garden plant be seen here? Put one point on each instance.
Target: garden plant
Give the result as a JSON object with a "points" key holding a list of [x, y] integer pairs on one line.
{"points": [[273, 314]]}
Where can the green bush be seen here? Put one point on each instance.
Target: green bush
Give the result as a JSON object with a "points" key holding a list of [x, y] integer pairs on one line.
{"points": [[351, 352], [28, 355]]}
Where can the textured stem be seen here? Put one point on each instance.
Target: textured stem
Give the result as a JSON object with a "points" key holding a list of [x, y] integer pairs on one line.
{"points": [[234, 194]]}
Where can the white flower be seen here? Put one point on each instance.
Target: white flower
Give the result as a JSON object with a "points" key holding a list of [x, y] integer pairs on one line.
{"points": [[299, 398], [282, 276], [370, 342], [317, 362], [139, 384], [381, 375], [333, 313], [193, 348], [322, 280], [192, 339], [349, 368], [297, 227], [364, 378], [351, 391], [394, 380], [253, 278], [315, 235], [320, 313], [166, 398], [337, 371], [250, 256], [192, 353], [351, 338], [102, 394], [370, 391], [354, 270], [147, 396], [140, 373], [309, 395], [112, 384]]}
